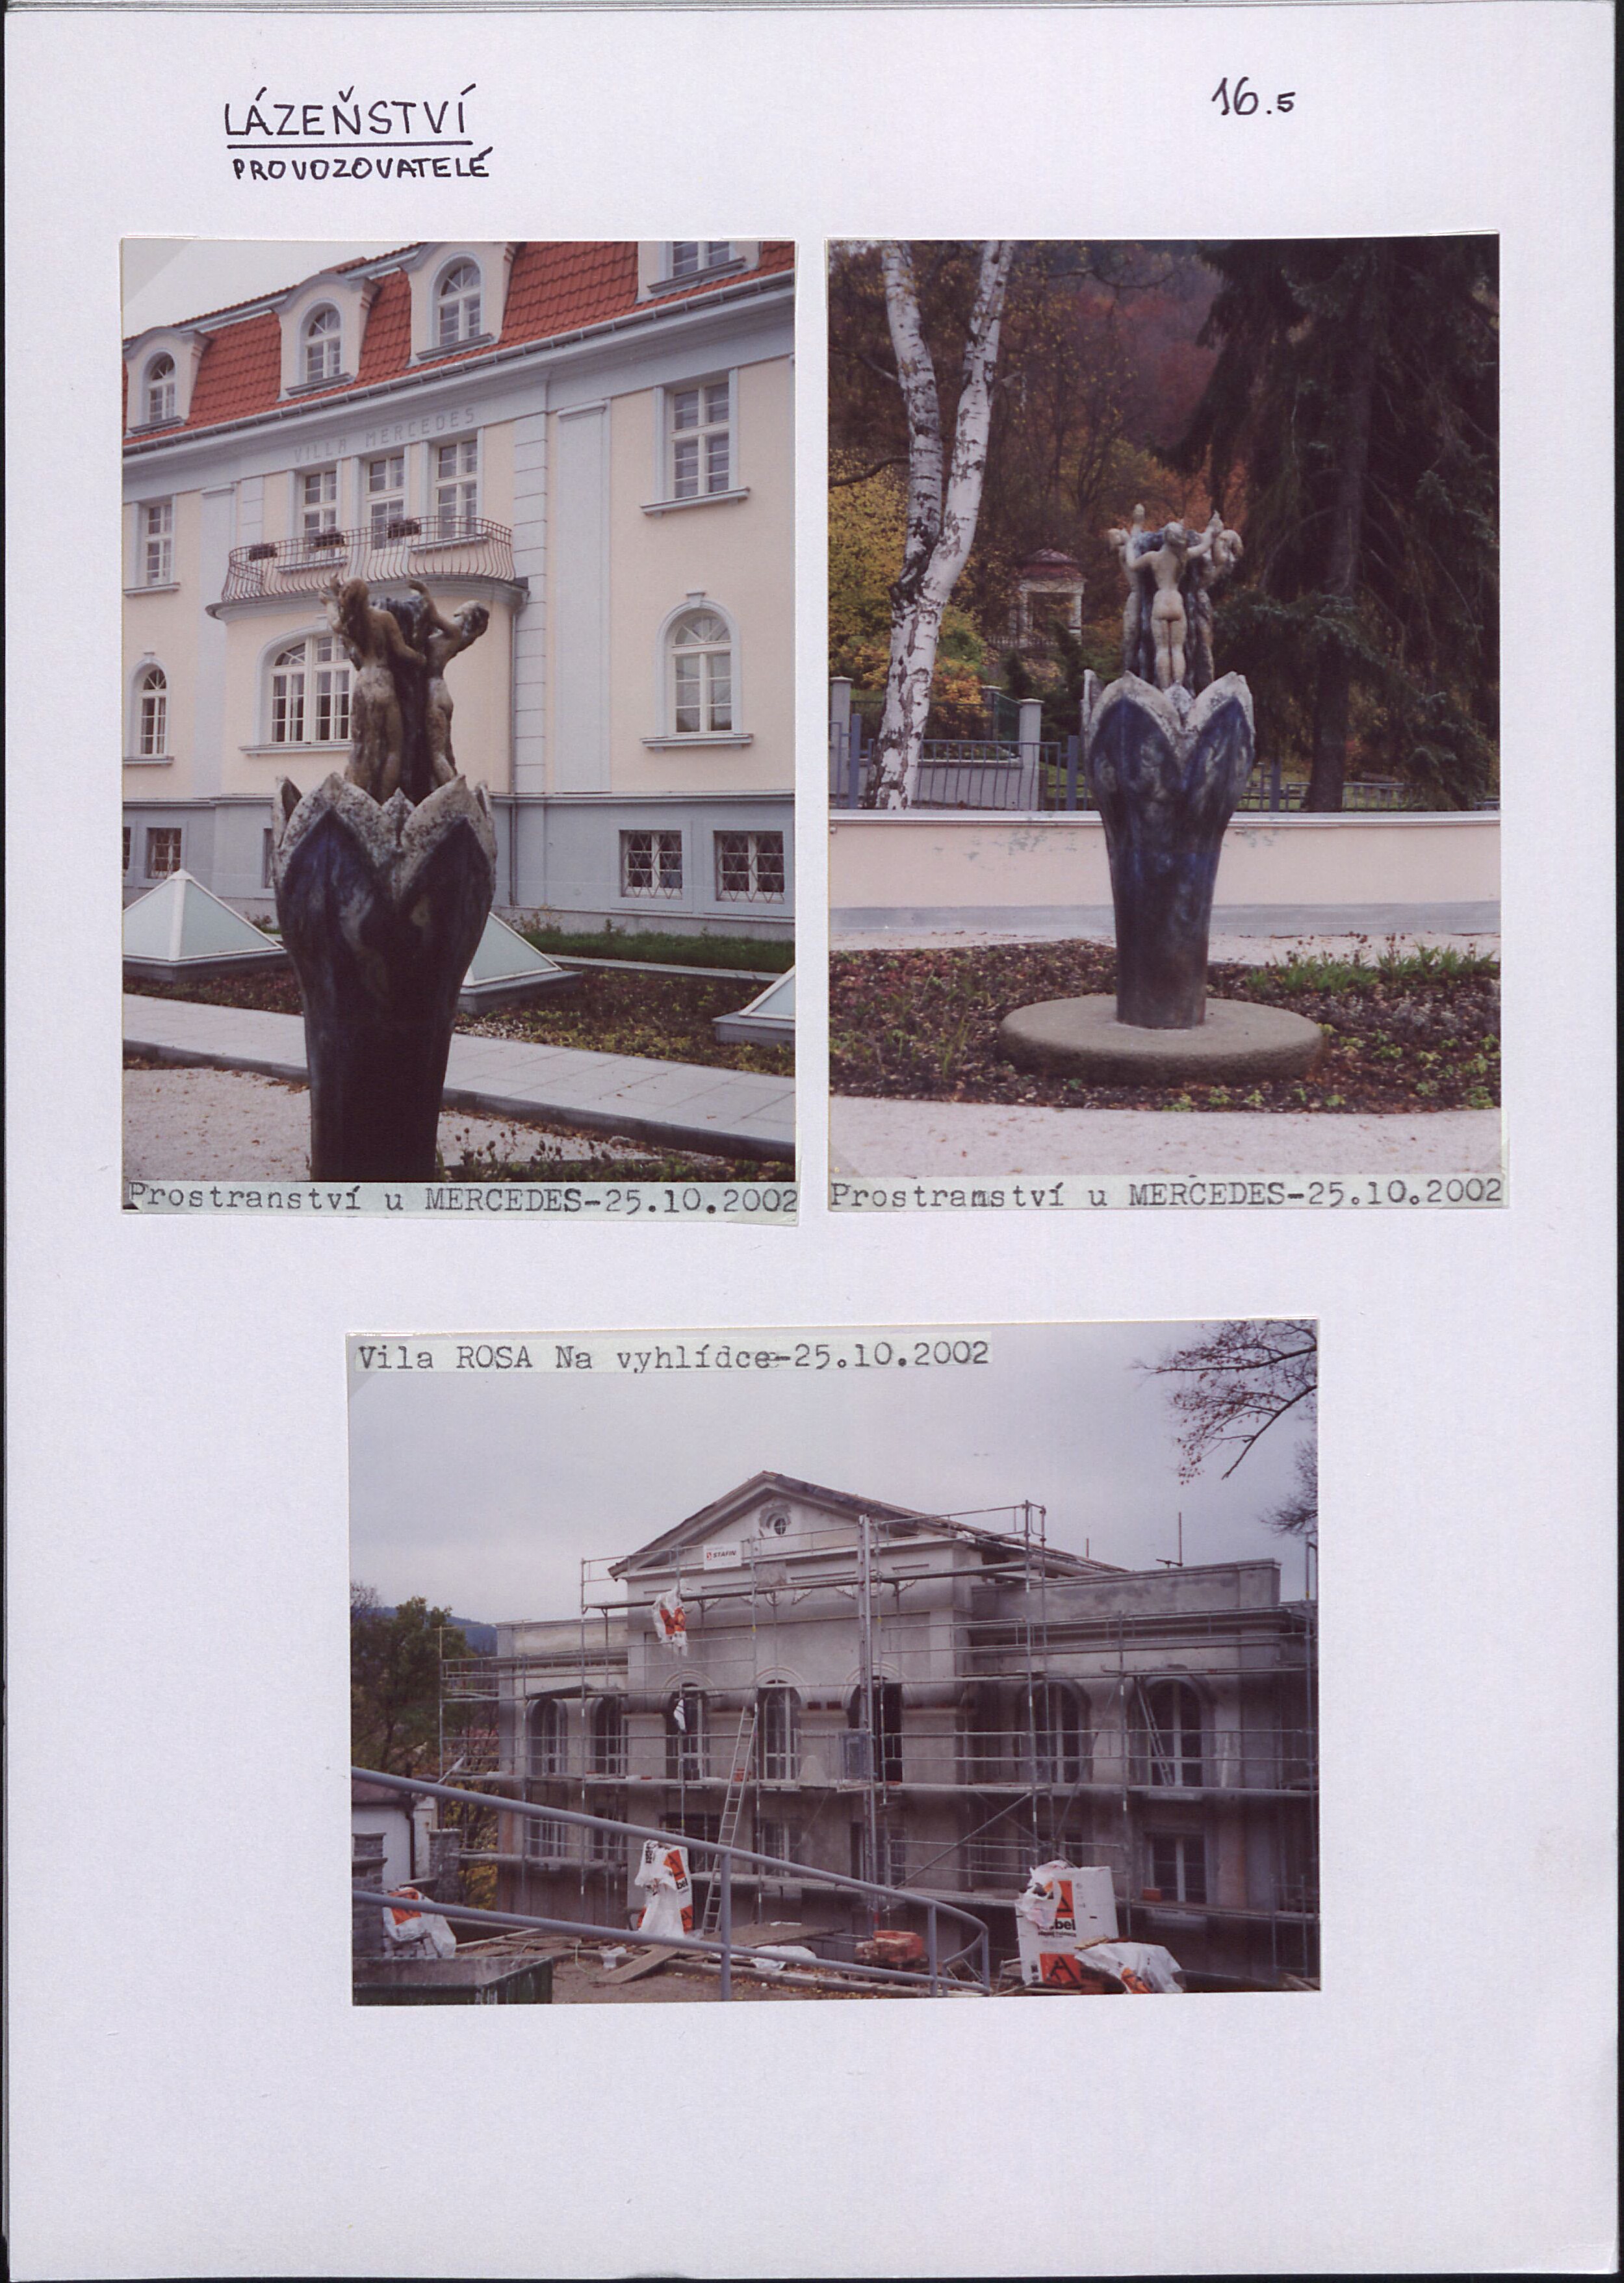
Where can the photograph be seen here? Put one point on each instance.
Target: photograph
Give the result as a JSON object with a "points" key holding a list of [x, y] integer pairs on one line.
{"points": [[1164, 715], [458, 767], [999, 1679]]}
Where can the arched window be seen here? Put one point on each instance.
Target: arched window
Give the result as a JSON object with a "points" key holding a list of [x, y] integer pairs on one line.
{"points": [[160, 388], [686, 1733], [701, 674], [1052, 1737], [1175, 1733], [458, 305], [152, 714], [549, 1740], [885, 1751], [777, 1733], [607, 1738], [323, 345], [309, 693]]}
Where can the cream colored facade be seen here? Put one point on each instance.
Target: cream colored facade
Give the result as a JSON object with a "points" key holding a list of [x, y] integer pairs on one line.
{"points": [[568, 525]]}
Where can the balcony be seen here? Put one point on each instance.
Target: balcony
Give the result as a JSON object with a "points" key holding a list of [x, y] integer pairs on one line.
{"points": [[435, 547]]}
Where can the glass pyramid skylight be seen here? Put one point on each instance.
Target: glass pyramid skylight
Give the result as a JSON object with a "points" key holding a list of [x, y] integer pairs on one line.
{"points": [[181, 926], [506, 967], [767, 1021]]}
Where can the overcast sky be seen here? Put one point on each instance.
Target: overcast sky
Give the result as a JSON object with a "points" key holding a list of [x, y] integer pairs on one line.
{"points": [[168, 279], [482, 1492]]}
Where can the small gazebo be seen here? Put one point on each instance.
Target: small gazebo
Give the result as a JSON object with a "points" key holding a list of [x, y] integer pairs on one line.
{"points": [[1049, 591]]}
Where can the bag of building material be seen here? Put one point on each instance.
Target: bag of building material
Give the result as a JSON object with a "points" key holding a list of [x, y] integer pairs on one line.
{"points": [[1143, 1967], [412, 1932], [1065, 1905], [671, 1623], [663, 1875]]}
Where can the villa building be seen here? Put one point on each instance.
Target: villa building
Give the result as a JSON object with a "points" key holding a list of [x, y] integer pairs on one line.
{"points": [[926, 1701], [593, 439]]}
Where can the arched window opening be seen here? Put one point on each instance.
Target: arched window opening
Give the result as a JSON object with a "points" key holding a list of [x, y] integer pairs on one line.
{"points": [[309, 693], [152, 714], [1052, 1733], [779, 1733], [607, 1737], [458, 305], [323, 345], [160, 388], [1175, 1733], [685, 1735], [549, 1740], [886, 1750], [702, 674]]}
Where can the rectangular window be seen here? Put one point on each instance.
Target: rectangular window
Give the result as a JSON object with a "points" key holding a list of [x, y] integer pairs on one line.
{"points": [[158, 539], [386, 494], [650, 864], [163, 851], [287, 700], [691, 257], [1178, 1866], [750, 868], [700, 438], [545, 1840], [331, 693], [128, 838], [457, 487], [319, 499], [773, 1839], [606, 1846]]}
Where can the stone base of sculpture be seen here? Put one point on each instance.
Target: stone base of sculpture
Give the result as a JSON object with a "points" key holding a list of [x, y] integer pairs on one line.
{"points": [[381, 908], [1236, 1044]]}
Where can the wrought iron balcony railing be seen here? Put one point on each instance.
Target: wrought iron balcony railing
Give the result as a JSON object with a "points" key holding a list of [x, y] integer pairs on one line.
{"points": [[403, 547]]}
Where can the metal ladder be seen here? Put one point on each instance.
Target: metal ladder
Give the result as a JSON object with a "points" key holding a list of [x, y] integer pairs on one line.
{"points": [[733, 1808]]}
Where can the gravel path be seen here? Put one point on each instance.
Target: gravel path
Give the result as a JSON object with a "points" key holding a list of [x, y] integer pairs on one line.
{"points": [[870, 1137], [235, 1125]]}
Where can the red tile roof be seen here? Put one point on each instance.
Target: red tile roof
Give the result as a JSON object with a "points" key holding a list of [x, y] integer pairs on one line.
{"points": [[555, 288]]}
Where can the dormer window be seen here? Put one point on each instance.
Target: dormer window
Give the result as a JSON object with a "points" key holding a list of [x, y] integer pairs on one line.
{"points": [[322, 346], [160, 389], [456, 316], [691, 257]]}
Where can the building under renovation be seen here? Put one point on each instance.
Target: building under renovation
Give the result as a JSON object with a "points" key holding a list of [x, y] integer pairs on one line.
{"points": [[919, 1699]]}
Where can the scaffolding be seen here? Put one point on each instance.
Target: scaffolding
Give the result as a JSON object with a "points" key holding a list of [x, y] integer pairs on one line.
{"points": [[991, 1701]]}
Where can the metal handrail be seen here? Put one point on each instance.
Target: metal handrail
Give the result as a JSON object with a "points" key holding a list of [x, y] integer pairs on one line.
{"points": [[799, 1874], [406, 547]]}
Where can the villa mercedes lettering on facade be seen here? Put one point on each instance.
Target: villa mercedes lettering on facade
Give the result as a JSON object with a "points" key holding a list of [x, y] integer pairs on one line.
{"points": [[593, 439]]}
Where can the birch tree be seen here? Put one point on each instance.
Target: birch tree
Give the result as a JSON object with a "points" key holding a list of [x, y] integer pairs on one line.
{"points": [[944, 499]]}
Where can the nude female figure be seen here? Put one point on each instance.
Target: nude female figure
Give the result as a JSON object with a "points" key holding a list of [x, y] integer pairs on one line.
{"points": [[1119, 541], [371, 639], [443, 640], [1169, 621]]}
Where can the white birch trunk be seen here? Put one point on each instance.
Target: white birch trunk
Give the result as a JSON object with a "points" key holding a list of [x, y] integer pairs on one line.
{"points": [[940, 529]]}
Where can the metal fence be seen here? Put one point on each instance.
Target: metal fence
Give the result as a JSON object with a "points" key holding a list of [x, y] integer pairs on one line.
{"points": [[989, 776], [976, 1953]]}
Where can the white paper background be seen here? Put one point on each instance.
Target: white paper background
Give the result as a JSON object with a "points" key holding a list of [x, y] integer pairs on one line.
{"points": [[192, 2092]]}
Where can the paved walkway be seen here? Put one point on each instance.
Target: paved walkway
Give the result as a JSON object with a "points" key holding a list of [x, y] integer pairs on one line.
{"points": [[680, 1105], [905, 1138]]}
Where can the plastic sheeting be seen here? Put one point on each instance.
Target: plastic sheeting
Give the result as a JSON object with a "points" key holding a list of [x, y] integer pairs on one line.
{"points": [[671, 1621], [663, 1875], [411, 1933], [1064, 1907], [1145, 1967]]}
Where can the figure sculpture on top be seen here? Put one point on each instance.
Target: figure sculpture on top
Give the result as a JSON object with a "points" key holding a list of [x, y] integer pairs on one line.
{"points": [[1168, 617], [442, 639], [373, 641]]}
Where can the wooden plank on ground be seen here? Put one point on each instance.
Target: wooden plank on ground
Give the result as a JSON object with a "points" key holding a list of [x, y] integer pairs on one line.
{"points": [[635, 1967]]}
